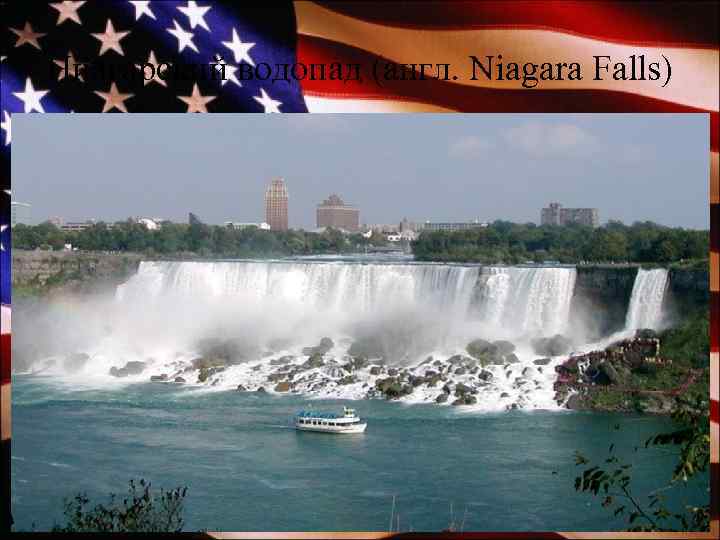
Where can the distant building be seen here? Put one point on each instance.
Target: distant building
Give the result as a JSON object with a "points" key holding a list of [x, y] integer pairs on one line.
{"points": [[450, 226], [239, 226], [555, 214], [276, 205], [382, 228], [17, 212], [77, 226], [333, 212], [150, 224]]}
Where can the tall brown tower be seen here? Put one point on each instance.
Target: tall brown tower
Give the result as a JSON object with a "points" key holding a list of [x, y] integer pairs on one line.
{"points": [[276, 205]]}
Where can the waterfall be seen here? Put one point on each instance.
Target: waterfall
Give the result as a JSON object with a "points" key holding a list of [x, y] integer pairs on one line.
{"points": [[528, 300], [360, 288], [646, 301], [516, 300]]}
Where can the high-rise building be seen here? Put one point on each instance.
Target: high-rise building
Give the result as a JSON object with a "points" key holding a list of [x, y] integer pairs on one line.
{"points": [[276, 205], [555, 214], [333, 212], [17, 212]]}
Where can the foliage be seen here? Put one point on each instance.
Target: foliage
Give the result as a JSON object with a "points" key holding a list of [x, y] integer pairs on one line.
{"points": [[199, 238], [689, 343], [140, 511], [613, 481], [513, 243]]}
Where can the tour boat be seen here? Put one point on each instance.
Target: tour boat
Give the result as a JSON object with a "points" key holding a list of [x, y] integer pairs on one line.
{"points": [[348, 422]]}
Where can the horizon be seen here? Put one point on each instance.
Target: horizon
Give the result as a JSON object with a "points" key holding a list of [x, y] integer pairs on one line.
{"points": [[436, 168]]}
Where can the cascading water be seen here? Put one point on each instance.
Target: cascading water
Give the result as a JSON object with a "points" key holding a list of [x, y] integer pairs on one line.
{"points": [[528, 300], [646, 301]]}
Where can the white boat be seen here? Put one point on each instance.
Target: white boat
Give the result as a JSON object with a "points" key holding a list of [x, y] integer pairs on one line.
{"points": [[348, 422]]}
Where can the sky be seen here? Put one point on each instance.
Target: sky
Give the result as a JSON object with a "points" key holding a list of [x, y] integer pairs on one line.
{"points": [[425, 167]]}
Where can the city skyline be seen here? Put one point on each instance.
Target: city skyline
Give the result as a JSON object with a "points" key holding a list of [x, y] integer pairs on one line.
{"points": [[443, 168]]}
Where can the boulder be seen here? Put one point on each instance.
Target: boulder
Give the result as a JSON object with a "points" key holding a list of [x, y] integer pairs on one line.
{"points": [[460, 371], [315, 361], [646, 333], [275, 377], [442, 398], [261, 390], [485, 375], [366, 347], [241, 388], [180, 380], [415, 380], [528, 372], [428, 360], [348, 379], [375, 370], [461, 389], [479, 348], [607, 371], [542, 361], [504, 347], [504, 395], [323, 347], [552, 346], [159, 378], [392, 372], [282, 386], [465, 399], [283, 360], [511, 359], [75, 362]]}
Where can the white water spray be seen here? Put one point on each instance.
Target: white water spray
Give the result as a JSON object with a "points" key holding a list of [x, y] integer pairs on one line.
{"points": [[646, 302]]}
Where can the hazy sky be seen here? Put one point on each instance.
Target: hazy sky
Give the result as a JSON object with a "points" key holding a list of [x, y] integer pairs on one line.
{"points": [[423, 167]]}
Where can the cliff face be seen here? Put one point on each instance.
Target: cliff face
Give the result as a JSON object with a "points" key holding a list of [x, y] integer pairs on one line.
{"points": [[601, 298], [38, 272], [602, 295]]}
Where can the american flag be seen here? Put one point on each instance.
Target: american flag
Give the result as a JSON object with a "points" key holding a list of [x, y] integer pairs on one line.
{"points": [[39, 38]]}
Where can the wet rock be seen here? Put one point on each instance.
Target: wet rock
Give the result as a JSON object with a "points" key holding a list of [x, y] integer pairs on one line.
{"points": [[282, 386], [485, 375], [275, 377], [366, 347], [392, 372], [261, 390], [441, 398], [283, 360], [465, 399], [504, 395], [415, 380], [348, 379], [130, 368], [461, 389], [542, 361], [241, 388], [528, 372], [552, 346], [375, 370], [180, 380], [75, 362], [511, 359], [460, 371], [314, 361], [646, 333], [323, 347], [428, 360], [159, 378], [504, 347]]}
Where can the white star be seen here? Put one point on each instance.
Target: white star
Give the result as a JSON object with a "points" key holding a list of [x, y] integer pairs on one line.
{"points": [[27, 35], [196, 102], [110, 39], [114, 99], [2, 229], [142, 8], [239, 49], [5, 124], [67, 11], [31, 98], [196, 14], [184, 38], [229, 71], [270, 105], [153, 61]]}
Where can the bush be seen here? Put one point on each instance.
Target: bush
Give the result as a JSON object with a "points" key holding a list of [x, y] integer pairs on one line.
{"points": [[140, 511]]}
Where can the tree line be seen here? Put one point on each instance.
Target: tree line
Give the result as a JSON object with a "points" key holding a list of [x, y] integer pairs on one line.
{"points": [[514, 243], [198, 238]]}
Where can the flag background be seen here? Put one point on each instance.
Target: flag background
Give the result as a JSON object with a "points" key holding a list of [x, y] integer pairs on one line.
{"points": [[363, 33]]}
